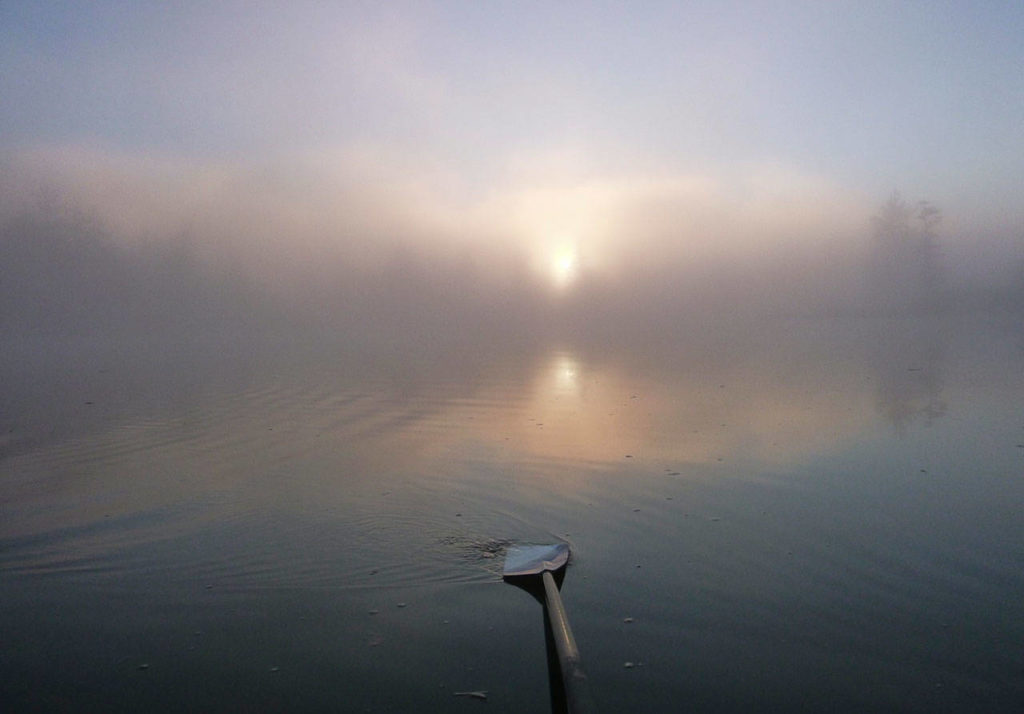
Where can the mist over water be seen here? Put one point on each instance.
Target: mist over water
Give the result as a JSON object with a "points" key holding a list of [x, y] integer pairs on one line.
{"points": [[309, 312], [299, 468], [649, 269]]}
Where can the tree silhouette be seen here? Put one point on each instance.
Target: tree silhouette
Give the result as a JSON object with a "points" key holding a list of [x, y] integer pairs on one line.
{"points": [[905, 273]]}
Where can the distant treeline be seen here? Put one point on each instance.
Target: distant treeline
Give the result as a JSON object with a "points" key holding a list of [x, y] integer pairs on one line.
{"points": [[61, 272]]}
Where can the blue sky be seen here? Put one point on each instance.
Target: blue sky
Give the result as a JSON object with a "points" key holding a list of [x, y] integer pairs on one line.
{"points": [[488, 103]]}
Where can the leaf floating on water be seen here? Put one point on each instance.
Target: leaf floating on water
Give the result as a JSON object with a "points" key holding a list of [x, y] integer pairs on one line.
{"points": [[472, 695]]}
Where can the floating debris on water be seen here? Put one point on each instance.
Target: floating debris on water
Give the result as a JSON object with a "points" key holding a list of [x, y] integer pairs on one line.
{"points": [[627, 620], [275, 669], [402, 604], [472, 695], [144, 665], [374, 612], [477, 548], [628, 665]]}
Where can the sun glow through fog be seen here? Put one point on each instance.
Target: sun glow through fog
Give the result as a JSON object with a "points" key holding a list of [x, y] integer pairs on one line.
{"points": [[564, 269]]}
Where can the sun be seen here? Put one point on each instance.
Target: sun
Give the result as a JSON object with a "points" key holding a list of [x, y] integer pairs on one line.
{"points": [[564, 269]]}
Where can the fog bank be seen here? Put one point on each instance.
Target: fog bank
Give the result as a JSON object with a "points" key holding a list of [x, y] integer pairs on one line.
{"points": [[367, 251]]}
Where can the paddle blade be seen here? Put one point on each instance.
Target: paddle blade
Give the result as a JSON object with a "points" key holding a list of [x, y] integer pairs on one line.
{"points": [[535, 559]]}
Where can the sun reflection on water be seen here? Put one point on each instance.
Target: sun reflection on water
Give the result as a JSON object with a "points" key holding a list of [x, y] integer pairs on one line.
{"points": [[566, 375], [576, 408]]}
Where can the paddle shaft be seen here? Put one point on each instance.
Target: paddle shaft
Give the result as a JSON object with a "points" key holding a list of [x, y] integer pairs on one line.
{"points": [[577, 694]]}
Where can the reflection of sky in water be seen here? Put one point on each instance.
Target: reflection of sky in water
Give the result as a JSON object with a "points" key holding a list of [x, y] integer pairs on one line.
{"points": [[763, 487], [606, 411], [768, 406], [764, 406], [569, 409]]}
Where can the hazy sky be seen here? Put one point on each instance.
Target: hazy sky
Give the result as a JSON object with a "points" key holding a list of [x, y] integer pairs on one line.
{"points": [[569, 130]]}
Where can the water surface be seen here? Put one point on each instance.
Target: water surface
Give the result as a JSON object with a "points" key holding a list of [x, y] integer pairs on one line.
{"points": [[795, 516]]}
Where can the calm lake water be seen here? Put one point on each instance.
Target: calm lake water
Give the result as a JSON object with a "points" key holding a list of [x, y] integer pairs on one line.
{"points": [[795, 516]]}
